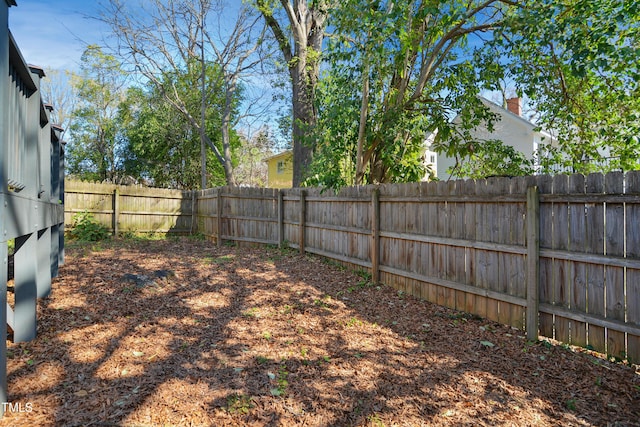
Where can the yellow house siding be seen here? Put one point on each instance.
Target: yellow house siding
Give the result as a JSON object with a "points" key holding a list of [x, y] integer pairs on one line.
{"points": [[280, 170]]}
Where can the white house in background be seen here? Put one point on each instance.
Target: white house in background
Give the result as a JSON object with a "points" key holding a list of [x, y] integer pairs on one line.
{"points": [[511, 128]]}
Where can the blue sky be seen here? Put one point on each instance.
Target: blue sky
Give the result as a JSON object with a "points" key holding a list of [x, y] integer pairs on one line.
{"points": [[52, 34]]}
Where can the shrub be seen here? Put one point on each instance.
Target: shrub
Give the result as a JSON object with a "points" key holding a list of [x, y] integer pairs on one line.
{"points": [[84, 227]]}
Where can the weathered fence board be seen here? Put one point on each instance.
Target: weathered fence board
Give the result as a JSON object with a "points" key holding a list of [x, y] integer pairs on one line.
{"points": [[547, 288], [614, 275], [130, 208], [632, 233], [594, 232], [561, 277]]}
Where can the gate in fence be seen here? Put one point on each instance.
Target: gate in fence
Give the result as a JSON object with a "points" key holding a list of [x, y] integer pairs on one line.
{"points": [[31, 195]]}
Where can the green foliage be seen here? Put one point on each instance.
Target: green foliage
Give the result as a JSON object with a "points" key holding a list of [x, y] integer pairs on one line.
{"points": [[581, 72], [398, 72], [353, 322], [281, 381], [239, 403], [493, 158], [162, 145], [84, 227], [93, 151], [261, 360]]}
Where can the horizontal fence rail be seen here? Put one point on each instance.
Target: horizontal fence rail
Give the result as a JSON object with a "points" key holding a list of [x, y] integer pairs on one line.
{"points": [[556, 256]]}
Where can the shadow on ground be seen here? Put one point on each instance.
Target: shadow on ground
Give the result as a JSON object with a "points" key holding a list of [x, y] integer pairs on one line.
{"points": [[180, 332]]}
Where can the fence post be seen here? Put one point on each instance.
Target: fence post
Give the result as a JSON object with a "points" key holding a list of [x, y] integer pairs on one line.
{"points": [[219, 215], [303, 214], [375, 236], [193, 212], [280, 219], [533, 262], [116, 211]]}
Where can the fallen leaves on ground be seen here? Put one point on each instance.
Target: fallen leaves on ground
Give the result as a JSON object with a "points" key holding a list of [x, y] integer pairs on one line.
{"points": [[263, 336]]}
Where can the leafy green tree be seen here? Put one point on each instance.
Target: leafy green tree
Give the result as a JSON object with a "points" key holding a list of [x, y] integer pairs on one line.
{"points": [[162, 145], [577, 61], [494, 158], [162, 148], [299, 29], [160, 37], [399, 71], [95, 141]]}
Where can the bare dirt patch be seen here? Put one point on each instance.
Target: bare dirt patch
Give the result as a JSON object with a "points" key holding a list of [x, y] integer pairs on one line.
{"points": [[180, 332]]}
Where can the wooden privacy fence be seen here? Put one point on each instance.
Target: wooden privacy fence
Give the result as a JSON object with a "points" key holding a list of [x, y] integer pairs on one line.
{"points": [[130, 208], [31, 194], [559, 256]]}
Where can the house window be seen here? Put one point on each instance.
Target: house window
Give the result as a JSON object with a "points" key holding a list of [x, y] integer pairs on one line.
{"points": [[280, 167], [432, 159]]}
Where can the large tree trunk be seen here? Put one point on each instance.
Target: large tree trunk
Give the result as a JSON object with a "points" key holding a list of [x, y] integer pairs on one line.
{"points": [[305, 27], [304, 118]]}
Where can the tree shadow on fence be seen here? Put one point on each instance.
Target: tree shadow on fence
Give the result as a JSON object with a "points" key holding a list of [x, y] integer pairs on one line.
{"points": [[181, 332]]}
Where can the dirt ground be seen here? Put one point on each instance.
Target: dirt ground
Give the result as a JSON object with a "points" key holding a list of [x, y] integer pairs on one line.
{"points": [[180, 332]]}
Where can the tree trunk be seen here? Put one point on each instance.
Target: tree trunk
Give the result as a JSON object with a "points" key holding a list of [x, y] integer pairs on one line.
{"points": [[304, 118], [226, 147], [364, 111], [305, 25], [203, 160], [203, 112], [226, 135]]}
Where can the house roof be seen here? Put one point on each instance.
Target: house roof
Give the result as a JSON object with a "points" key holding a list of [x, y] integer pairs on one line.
{"points": [[281, 154], [505, 112]]}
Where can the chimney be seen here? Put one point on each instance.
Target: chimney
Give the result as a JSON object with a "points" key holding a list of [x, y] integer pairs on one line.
{"points": [[514, 105]]}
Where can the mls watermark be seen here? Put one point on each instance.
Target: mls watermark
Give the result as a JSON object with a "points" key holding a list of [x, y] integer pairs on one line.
{"points": [[17, 407]]}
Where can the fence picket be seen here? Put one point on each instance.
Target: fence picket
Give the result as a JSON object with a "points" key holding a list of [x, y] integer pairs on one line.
{"points": [[594, 236], [561, 271], [482, 256], [632, 233], [577, 241], [547, 294], [457, 253], [470, 233], [614, 276]]}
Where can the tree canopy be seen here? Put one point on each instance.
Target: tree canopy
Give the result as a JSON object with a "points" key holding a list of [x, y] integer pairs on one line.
{"points": [[93, 152], [578, 62], [400, 71], [397, 72], [163, 147], [371, 80]]}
